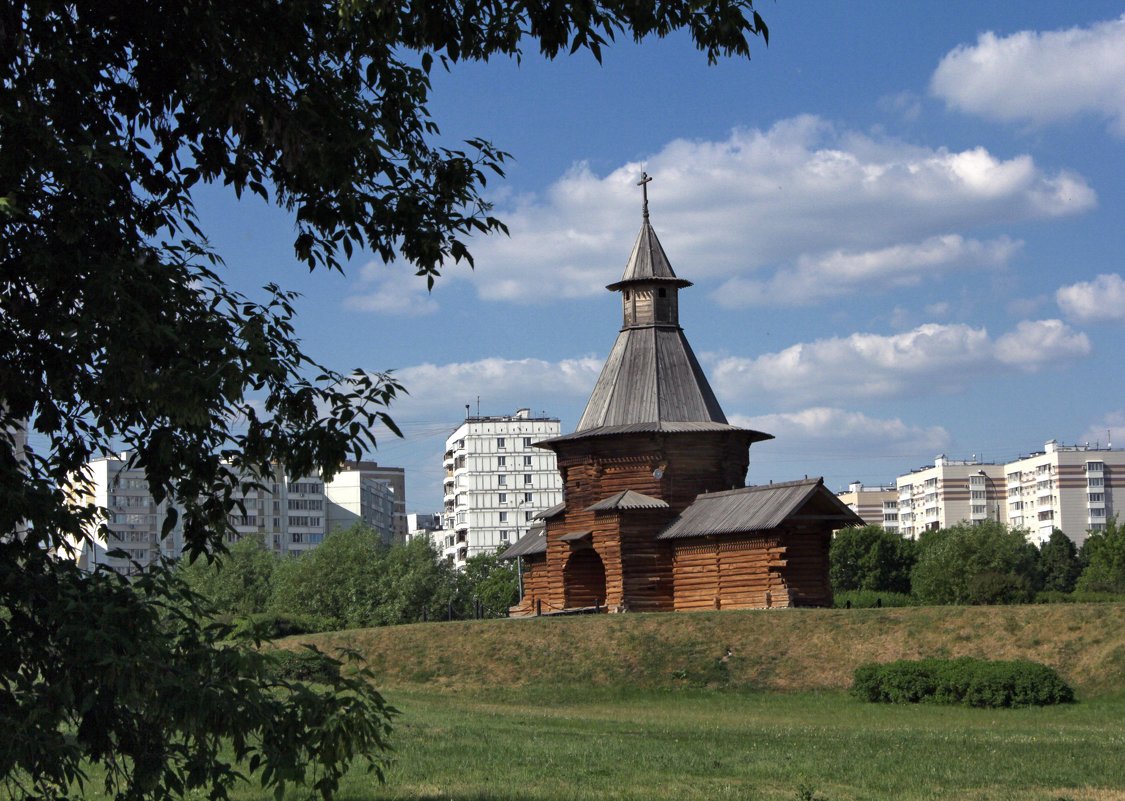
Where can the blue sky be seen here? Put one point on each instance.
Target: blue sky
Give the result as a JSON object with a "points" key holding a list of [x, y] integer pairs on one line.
{"points": [[904, 221]]}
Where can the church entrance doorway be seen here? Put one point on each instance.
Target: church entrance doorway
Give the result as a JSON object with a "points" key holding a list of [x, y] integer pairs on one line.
{"points": [[584, 579]]}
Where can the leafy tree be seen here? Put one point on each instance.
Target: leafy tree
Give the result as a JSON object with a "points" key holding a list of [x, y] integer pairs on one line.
{"points": [[338, 580], [1104, 554], [412, 579], [239, 582], [493, 582], [117, 330], [986, 563], [1059, 565], [871, 558]]}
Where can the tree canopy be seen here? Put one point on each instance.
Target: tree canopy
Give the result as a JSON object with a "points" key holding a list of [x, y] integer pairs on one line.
{"points": [[117, 329]]}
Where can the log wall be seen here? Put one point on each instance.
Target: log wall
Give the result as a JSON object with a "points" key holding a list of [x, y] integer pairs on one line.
{"points": [[534, 585]]}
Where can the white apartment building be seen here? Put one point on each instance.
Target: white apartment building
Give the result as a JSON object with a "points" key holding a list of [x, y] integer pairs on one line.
{"points": [[1068, 487], [947, 492], [133, 519], [877, 506], [495, 482], [292, 514], [356, 495]]}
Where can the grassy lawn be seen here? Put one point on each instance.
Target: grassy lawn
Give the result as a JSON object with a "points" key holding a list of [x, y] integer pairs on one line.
{"points": [[712, 744]]}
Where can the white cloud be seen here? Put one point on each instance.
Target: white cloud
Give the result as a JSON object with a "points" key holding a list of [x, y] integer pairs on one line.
{"points": [[930, 358], [1039, 77], [390, 290], [502, 384], [1036, 344], [828, 275], [830, 432], [1093, 301], [795, 194]]}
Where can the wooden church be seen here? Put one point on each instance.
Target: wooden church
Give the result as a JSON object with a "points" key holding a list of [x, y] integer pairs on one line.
{"points": [[655, 516]]}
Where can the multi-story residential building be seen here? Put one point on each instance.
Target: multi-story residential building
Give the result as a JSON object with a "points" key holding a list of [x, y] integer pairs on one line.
{"points": [[496, 481], [356, 494], [947, 492], [424, 524], [132, 518], [1068, 487], [877, 506], [291, 514], [396, 480]]}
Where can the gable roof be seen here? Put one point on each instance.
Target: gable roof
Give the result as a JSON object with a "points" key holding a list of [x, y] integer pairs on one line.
{"points": [[533, 542], [758, 508], [627, 499]]}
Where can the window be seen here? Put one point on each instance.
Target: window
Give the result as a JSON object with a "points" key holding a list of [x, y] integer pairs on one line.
{"points": [[527, 516], [527, 461], [503, 535], [977, 495], [1097, 497], [1095, 482], [527, 497], [295, 536], [662, 292], [501, 461], [527, 442], [500, 442], [1097, 511], [502, 480], [502, 497], [527, 478], [978, 510], [503, 517]]}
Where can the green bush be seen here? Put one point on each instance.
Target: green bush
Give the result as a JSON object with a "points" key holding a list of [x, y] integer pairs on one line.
{"points": [[965, 681], [868, 599], [1078, 597], [271, 625], [304, 665]]}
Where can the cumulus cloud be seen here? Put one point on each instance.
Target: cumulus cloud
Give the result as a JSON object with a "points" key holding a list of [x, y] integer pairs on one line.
{"points": [[787, 197], [1094, 301], [830, 432], [509, 384], [930, 358], [393, 291], [1039, 77], [1036, 344], [828, 275]]}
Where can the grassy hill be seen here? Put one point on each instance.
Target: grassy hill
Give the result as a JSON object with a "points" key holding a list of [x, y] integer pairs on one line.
{"points": [[802, 649]]}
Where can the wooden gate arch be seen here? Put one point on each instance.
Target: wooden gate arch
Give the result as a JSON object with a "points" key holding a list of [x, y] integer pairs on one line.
{"points": [[584, 579]]}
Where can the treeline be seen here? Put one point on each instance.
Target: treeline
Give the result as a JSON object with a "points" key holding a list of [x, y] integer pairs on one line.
{"points": [[975, 564], [351, 580]]}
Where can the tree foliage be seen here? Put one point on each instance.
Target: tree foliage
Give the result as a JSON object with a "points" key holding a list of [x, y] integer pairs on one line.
{"points": [[492, 582], [240, 582], [1059, 564], [1104, 554], [117, 330], [965, 563], [871, 558]]}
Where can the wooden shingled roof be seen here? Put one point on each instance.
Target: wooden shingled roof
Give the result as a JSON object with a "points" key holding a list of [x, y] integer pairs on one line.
{"points": [[758, 508], [648, 262], [533, 542], [627, 500]]}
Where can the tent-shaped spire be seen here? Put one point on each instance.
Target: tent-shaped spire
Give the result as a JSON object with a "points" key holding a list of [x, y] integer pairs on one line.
{"points": [[652, 379]]}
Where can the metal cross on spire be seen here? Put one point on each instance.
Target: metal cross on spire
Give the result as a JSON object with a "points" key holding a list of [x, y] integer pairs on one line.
{"points": [[643, 184]]}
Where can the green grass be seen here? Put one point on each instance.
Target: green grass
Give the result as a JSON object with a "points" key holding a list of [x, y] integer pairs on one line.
{"points": [[536, 745]]}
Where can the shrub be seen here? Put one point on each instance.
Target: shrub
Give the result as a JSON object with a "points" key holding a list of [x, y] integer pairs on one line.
{"points": [[868, 599], [304, 665], [1078, 597], [967, 681], [270, 626]]}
